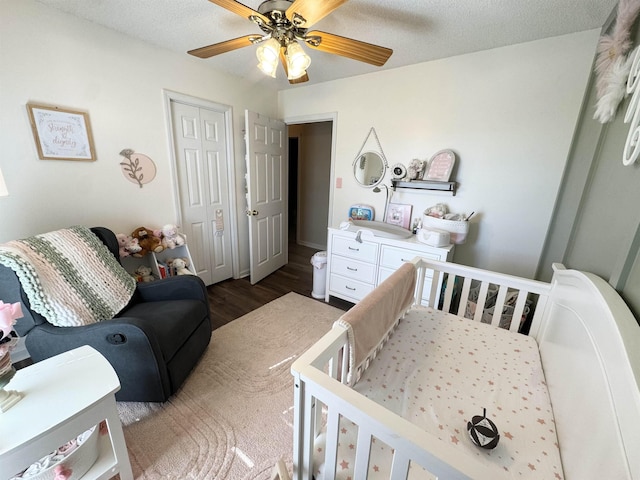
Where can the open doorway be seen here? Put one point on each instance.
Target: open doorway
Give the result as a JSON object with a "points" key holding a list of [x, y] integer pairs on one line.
{"points": [[310, 154]]}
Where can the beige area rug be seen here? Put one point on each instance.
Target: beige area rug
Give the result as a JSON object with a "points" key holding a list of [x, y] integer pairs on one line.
{"points": [[233, 417]]}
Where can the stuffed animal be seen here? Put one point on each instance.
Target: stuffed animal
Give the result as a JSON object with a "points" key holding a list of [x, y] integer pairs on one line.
{"points": [[147, 241], [170, 236], [144, 274], [122, 245], [132, 246], [180, 265], [415, 168], [127, 245]]}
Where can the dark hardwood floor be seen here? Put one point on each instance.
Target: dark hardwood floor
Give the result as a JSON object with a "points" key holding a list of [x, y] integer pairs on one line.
{"points": [[231, 299]]}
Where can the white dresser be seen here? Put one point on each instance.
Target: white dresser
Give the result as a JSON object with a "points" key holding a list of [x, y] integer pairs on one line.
{"points": [[355, 268]]}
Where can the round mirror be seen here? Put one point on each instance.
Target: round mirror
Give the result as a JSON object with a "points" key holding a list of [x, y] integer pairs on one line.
{"points": [[369, 169]]}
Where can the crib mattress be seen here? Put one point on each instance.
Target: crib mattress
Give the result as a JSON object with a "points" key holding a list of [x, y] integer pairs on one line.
{"points": [[438, 371]]}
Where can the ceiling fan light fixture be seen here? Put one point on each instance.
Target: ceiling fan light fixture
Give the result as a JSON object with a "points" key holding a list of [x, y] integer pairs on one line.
{"points": [[268, 55], [297, 61], [284, 25], [268, 51], [268, 68]]}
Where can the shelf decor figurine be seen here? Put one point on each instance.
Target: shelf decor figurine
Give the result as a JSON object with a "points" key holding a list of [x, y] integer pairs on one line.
{"points": [[9, 313]]}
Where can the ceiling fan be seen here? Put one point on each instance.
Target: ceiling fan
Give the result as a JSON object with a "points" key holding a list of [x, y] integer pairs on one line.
{"points": [[285, 23]]}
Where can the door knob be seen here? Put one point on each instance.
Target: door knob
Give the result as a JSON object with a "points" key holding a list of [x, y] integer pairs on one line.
{"points": [[252, 213]]}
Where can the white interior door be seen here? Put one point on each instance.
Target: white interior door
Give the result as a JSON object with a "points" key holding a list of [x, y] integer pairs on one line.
{"points": [[203, 183], [267, 176]]}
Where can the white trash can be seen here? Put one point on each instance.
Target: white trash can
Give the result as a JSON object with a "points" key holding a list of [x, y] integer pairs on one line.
{"points": [[319, 262]]}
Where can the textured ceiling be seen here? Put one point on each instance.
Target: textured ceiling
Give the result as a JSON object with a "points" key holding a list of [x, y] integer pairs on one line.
{"points": [[416, 30]]}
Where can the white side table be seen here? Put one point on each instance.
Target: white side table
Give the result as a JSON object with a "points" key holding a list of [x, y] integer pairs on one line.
{"points": [[64, 396]]}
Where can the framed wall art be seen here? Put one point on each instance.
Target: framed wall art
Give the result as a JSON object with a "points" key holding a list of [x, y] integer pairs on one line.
{"points": [[60, 133], [440, 166], [399, 214]]}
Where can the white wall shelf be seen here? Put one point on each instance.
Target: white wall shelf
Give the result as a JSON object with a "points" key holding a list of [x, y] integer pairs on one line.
{"points": [[170, 253], [156, 260], [446, 187]]}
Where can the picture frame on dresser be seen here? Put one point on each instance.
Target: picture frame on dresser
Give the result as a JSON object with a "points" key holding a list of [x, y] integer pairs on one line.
{"points": [[399, 214]]}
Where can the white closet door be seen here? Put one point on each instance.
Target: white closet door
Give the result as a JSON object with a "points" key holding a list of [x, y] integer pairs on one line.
{"points": [[203, 182]]}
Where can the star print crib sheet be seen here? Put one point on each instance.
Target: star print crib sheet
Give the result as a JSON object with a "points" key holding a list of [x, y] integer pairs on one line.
{"points": [[438, 371]]}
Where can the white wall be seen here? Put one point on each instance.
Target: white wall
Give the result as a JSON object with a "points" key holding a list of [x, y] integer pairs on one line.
{"points": [[508, 113], [51, 57]]}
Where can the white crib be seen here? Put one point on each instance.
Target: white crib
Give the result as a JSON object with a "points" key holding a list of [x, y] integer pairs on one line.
{"points": [[589, 347]]}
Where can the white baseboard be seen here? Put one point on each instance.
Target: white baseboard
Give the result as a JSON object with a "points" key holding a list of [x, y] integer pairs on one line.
{"points": [[312, 245]]}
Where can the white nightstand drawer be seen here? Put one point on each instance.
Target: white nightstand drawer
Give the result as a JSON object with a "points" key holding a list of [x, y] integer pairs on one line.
{"points": [[349, 287], [351, 268], [347, 247], [394, 257]]}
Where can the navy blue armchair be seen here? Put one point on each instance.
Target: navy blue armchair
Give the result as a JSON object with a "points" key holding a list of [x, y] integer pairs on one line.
{"points": [[153, 343]]}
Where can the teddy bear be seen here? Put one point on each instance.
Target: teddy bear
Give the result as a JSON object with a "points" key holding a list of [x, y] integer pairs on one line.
{"points": [[147, 241], [127, 245], [132, 246], [143, 272], [170, 236], [180, 266], [415, 169]]}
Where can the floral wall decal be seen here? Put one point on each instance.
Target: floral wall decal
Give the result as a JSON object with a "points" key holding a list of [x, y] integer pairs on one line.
{"points": [[137, 168]]}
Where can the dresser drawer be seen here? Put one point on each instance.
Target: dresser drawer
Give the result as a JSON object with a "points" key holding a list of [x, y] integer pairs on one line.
{"points": [[348, 287], [394, 257], [351, 268], [347, 247]]}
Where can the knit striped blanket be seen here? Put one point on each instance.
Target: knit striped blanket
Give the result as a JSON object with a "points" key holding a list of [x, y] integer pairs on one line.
{"points": [[69, 276]]}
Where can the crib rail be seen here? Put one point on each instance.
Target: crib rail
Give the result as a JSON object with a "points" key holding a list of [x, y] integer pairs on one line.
{"points": [[322, 398], [503, 300], [317, 387]]}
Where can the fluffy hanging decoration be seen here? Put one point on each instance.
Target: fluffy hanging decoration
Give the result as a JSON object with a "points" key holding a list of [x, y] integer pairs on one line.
{"points": [[611, 49], [615, 89]]}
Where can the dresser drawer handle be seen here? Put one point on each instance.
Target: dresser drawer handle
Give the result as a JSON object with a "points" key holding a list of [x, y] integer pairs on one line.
{"points": [[349, 288], [354, 249], [352, 269]]}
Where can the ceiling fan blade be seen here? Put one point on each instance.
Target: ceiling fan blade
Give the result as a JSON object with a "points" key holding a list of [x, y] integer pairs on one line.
{"points": [[350, 48], [283, 61], [302, 79], [223, 47], [240, 9], [312, 10]]}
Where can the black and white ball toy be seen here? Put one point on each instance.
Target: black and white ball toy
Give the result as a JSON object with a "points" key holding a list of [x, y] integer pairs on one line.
{"points": [[483, 432]]}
